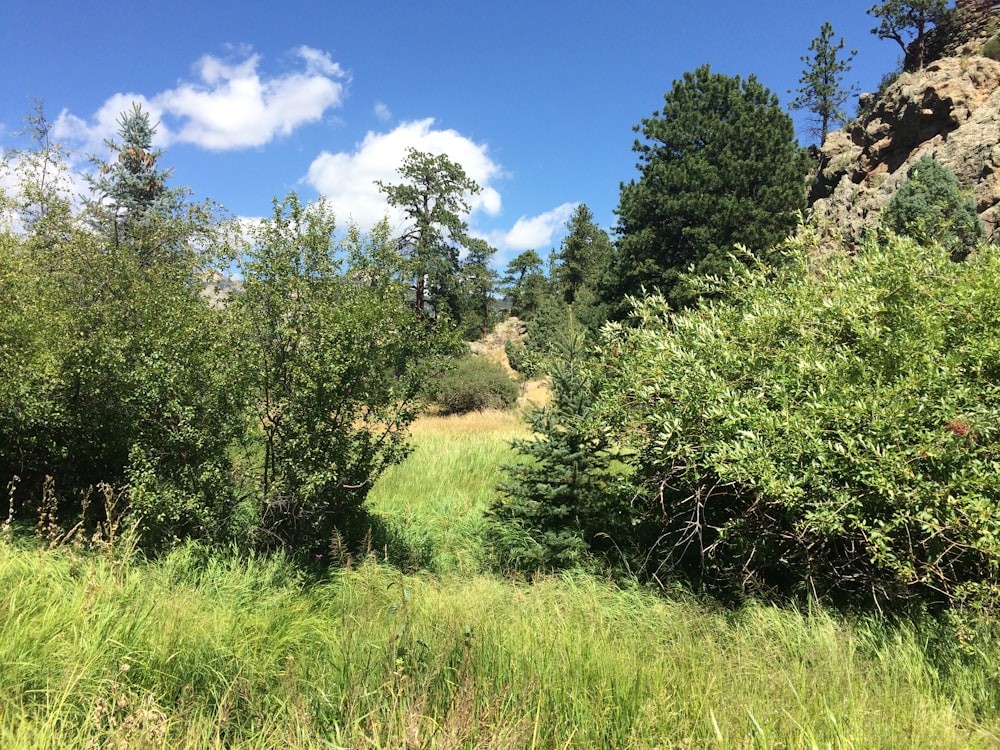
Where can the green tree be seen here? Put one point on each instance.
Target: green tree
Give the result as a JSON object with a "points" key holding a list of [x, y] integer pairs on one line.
{"points": [[930, 208], [821, 91], [565, 500], [40, 174], [908, 20], [329, 369], [525, 284], [719, 165], [132, 202], [478, 283], [111, 372], [582, 256], [434, 194]]}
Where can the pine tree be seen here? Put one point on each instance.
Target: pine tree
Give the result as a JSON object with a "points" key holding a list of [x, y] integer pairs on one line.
{"points": [[478, 282], [525, 284], [566, 498], [719, 166], [821, 92], [131, 193], [902, 19], [583, 255], [434, 194]]}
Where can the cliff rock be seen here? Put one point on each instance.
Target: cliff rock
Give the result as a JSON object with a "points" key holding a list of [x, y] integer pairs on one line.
{"points": [[950, 109]]}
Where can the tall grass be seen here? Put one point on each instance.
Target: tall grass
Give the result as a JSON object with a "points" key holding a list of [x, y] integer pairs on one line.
{"points": [[435, 499], [198, 651], [210, 650]]}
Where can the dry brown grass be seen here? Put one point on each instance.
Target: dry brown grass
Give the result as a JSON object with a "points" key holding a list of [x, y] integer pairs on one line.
{"points": [[534, 393], [478, 422]]}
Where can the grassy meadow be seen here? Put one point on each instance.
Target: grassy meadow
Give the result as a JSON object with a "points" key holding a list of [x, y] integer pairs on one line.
{"points": [[202, 650]]}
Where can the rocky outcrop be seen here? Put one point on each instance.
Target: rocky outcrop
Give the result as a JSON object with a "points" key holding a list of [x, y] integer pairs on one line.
{"points": [[950, 109], [962, 31]]}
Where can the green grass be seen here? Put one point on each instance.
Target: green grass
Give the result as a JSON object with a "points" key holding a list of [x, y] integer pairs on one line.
{"points": [[211, 650], [436, 498]]}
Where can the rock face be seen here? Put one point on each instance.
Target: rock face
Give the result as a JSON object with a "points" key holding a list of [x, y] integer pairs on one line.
{"points": [[950, 110]]}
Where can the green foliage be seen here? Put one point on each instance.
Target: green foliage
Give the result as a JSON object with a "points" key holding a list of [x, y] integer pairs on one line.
{"points": [[821, 91], [473, 384], [524, 361], [564, 499], [434, 193], [991, 49], [906, 20], [719, 166], [930, 208], [544, 334], [525, 284], [831, 431], [111, 365], [330, 369]]}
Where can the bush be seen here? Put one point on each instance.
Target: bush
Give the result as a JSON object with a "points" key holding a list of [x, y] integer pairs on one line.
{"points": [[830, 433], [328, 349], [991, 49], [522, 360], [930, 208], [474, 384]]}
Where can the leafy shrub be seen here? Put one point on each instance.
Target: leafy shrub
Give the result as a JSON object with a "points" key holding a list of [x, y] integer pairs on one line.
{"points": [[329, 373], [474, 384], [930, 208], [521, 359], [991, 49], [111, 371], [831, 432]]}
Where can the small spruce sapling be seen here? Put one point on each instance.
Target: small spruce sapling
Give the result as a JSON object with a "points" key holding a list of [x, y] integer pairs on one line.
{"points": [[930, 208], [565, 494]]}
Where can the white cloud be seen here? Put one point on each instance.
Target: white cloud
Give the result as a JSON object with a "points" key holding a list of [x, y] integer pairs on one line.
{"points": [[348, 179], [104, 124], [230, 106], [533, 233], [382, 112]]}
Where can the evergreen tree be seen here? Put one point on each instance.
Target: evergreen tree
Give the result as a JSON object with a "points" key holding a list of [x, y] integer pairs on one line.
{"points": [[566, 500], [719, 166], [583, 255], [434, 194], [930, 208], [821, 92], [478, 282], [525, 284], [131, 194]]}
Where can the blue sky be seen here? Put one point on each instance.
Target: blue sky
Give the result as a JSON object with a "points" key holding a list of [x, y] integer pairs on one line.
{"points": [[535, 99]]}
